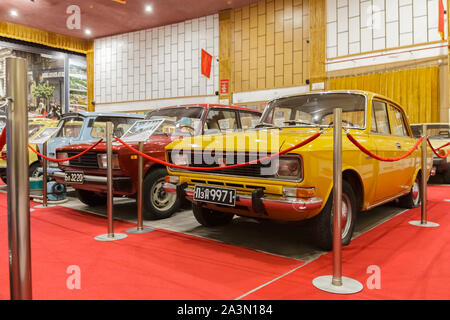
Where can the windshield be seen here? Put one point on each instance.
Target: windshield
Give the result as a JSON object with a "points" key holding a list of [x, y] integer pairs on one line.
{"points": [[435, 131], [120, 126], [71, 127], [316, 109], [183, 118]]}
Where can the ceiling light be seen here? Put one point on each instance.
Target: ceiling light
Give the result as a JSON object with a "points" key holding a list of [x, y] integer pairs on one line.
{"points": [[148, 8], [88, 32], [14, 13]]}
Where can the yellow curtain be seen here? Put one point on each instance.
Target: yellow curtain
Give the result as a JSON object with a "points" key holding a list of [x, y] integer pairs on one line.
{"points": [[416, 90]]}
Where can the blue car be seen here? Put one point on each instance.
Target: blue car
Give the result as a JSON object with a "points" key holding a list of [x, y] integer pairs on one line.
{"points": [[86, 127]]}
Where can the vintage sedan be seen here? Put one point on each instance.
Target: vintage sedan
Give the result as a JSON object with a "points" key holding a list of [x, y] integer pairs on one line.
{"points": [[186, 121], [298, 185], [439, 135]]}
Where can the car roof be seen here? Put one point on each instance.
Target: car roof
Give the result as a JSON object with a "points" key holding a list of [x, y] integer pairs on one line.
{"points": [[209, 106], [101, 114]]}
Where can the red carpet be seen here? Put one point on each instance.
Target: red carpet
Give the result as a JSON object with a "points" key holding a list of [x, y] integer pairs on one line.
{"points": [[414, 262], [157, 265]]}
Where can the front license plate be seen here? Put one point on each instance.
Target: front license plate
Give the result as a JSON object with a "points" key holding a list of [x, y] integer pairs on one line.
{"points": [[215, 195], [74, 177]]}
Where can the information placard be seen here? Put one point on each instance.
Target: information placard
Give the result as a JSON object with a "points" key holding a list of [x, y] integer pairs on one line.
{"points": [[142, 130], [44, 136]]}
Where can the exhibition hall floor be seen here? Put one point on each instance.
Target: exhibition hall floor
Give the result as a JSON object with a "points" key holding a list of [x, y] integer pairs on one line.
{"points": [[245, 260]]}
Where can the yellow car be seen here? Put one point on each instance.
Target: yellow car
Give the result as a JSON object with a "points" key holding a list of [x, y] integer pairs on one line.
{"points": [[35, 126], [298, 185]]}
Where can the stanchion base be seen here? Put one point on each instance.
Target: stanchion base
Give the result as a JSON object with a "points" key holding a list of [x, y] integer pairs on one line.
{"points": [[349, 286], [44, 207], [137, 231], [426, 225], [106, 237]]}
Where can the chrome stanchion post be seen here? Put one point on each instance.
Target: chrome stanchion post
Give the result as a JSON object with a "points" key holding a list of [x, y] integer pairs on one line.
{"points": [[140, 220], [18, 183], [44, 180], [110, 236], [337, 283], [423, 185]]}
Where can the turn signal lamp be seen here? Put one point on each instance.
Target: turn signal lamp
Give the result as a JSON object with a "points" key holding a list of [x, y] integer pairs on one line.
{"points": [[299, 192], [133, 157], [172, 179], [442, 153], [63, 155]]}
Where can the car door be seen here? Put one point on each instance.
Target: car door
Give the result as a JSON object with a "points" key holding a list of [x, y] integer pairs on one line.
{"points": [[404, 169], [385, 147]]}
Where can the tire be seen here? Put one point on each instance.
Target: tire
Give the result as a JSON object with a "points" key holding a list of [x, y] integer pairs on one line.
{"points": [[33, 170], [92, 199], [321, 226], [158, 204], [413, 198], [446, 176], [211, 218]]}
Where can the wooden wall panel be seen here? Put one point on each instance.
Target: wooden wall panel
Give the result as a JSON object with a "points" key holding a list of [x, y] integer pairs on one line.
{"points": [[417, 90], [269, 43]]}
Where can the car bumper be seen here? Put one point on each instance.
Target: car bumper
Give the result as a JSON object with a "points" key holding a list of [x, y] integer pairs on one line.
{"points": [[259, 205], [121, 185]]}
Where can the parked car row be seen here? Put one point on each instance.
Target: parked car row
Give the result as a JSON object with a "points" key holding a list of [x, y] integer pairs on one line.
{"points": [[296, 186]]}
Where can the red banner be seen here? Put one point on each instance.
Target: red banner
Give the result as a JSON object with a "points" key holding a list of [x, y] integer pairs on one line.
{"points": [[121, 1], [441, 20], [206, 63]]}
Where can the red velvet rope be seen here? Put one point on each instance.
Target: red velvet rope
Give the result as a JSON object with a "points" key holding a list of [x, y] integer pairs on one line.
{"points": [[437, 153], [369, 153], [299, 145], [444, 146], [67, 159]]}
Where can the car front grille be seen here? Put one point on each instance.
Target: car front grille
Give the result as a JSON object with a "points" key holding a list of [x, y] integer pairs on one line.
{"points": [[87, 160], [265, 170]]}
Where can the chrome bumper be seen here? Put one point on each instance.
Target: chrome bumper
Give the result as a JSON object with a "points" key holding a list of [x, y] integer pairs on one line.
{"points": [[258, 202]]}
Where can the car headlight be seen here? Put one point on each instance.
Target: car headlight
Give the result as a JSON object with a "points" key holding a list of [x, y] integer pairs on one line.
{"points": [[180, 159], [102, 159], [61, 155], [289, 168]]}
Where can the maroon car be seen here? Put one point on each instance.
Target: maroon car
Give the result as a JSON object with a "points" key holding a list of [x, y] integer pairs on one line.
{"points": [[187, 121]]}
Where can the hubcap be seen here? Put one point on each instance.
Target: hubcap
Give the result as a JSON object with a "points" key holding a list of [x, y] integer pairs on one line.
{"points": [[161, 199], [346, 217], [416, 192]]}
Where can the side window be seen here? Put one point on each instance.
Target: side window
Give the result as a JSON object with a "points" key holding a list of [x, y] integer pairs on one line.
{"points": [[380, 120], [220, 121], [397, 122], [249, 119]]}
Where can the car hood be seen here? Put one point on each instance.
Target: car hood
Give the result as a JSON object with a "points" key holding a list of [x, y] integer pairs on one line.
{"points": [[264, 140]]}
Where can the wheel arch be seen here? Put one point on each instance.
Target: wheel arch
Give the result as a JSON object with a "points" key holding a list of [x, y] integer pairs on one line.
{"points": [[354, 179]]}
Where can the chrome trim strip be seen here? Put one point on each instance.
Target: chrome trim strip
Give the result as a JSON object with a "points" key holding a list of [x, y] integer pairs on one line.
{"points": [[388, 200]]}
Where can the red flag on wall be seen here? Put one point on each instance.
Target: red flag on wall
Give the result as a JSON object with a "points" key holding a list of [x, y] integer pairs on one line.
{"points": [[121, 1], [206, 63], [3, 138], [441, 19]]}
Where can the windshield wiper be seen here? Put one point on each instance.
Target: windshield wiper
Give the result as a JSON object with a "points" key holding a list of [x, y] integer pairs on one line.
{"points": [[265, 124]]}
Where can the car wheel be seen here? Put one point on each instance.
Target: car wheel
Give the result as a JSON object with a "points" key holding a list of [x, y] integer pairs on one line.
{"points": [[322, 225], [447, 176], [92, 199], [34, 170], [158, 203], [211, 218], [413, 198]]}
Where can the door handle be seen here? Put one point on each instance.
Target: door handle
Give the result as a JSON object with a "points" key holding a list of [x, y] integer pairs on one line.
{"points": [[398, 145]]}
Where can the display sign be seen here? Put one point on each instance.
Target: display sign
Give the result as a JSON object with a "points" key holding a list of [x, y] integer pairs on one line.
{"points": [[224, 86], [142, 130], [44, 136]]}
